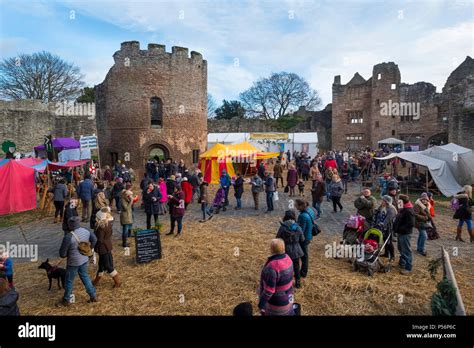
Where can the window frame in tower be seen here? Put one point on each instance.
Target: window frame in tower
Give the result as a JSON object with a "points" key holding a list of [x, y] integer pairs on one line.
{"points": [[156, 120]]}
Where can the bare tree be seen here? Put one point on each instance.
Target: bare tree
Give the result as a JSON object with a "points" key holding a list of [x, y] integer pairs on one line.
{"points": [[211, 106], [41, 76], [283, 92]]}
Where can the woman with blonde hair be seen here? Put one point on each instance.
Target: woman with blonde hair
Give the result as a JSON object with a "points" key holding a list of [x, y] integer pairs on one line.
{"points": [[103, 247], [335, 191], [463, 213]]}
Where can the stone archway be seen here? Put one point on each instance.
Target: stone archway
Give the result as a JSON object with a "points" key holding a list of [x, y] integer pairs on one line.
{"points": [[157, 152], [438, 139]]}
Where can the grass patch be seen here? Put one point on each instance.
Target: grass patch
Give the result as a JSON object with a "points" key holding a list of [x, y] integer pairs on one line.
{"points": [[19, 218]]}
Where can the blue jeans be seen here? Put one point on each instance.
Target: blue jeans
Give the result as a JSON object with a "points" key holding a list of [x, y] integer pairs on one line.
{"points": [[319, 210], [328, 195], [269, 200], [468, 223], [404, 247], [239, 202], [205, 210], [422, 237], [125, 229], [71, 272]]}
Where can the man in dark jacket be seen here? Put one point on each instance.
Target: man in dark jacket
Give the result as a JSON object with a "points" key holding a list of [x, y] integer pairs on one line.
{"points": [[177, 209], [318, 191], [151, 200], [269, 183], [85, 190], [403, 226], [292, 235], [239, 190]]}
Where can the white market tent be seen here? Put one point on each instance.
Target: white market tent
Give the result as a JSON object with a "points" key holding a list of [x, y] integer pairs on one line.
{"points": [[440, 171], [392, 141], [293, 141], [459, 159]]}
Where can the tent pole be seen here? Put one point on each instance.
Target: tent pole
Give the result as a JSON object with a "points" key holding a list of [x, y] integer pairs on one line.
{"points": [[427, 172]]}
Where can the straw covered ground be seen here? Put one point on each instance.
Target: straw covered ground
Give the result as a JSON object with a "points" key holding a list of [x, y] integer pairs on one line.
{"points": [[217, 265]]}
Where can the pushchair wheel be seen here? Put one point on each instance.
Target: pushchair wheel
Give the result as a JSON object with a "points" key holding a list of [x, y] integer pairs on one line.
{"points": [[387, 268]]}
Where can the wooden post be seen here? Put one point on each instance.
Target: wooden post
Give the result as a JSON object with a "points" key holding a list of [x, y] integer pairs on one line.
{"points": [[449, 274]]}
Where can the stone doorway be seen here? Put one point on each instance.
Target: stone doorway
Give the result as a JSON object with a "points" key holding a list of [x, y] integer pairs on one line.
{"points": [[158, 152]]}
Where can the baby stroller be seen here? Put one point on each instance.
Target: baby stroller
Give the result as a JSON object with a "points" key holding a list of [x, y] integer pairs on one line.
{"points": [[373, 244], [353, 230], [218, 202]]}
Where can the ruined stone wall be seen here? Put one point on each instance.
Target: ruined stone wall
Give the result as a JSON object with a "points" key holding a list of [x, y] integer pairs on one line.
{"points": [[25, 122], [242, 126], [123, 103], [382, 90]]}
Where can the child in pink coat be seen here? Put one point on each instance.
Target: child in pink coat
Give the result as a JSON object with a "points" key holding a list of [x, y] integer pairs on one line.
{"points": [[164, 196]]}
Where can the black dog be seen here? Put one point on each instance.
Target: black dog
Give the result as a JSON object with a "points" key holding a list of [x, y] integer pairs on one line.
{"points": [[54, 273]]}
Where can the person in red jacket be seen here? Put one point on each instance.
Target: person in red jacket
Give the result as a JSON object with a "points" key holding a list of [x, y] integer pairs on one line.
{"points": [[330, 161], [188, 191], [176, 204]]}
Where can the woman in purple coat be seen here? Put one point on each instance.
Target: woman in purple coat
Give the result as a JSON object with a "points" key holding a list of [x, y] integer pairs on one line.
{"points": [[292, 179]]}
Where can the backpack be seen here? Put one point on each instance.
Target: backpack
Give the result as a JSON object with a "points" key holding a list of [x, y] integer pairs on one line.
{"points": [[83, 247], [454, 204], [315, 230]]}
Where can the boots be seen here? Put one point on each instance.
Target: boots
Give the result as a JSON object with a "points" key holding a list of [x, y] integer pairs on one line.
{"points": [[124, 242], [471, 234], [97, 279], [458, 234], [55, 220], [116, 279]]}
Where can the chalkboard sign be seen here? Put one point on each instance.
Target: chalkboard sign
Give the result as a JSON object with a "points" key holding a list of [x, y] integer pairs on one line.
{"points": [[147, 245]]}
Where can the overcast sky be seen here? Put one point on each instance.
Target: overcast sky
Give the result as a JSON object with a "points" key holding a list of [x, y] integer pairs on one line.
{"points": [[245, 40]]}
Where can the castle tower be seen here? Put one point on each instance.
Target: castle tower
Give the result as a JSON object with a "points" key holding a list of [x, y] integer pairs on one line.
{"points": [[152, 103], [385, 89]]}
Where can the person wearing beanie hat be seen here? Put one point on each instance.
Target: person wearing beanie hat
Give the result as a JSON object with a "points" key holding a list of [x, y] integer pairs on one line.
{"points": [[126, 214], [244, 309], [103, 247], [403, 226], [116, 191], [76, 262], [70, 210], [464, 213], [8, 298], [384, 217], [366, 204], [422, 221]]}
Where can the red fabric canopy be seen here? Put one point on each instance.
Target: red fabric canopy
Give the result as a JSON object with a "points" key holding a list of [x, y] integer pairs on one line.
{"points": [[17, 188], [68, 164]]}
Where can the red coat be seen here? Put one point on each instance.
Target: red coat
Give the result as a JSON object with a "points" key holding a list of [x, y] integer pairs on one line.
{"points": [[330, 163], [188, 191]]}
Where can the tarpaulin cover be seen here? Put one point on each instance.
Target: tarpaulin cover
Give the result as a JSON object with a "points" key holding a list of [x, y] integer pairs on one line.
{"points": [[459, 159], [62, 144], [17, 188], [439, 170], [64, 165]]}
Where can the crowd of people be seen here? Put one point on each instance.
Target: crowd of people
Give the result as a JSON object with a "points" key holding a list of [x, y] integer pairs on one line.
{"points": [[169, 187]]}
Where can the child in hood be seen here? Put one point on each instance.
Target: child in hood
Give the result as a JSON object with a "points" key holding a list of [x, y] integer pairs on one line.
{"points": [[219, 200], [6, 266]]}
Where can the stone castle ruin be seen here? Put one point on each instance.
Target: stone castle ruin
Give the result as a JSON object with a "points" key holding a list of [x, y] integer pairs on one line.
{"points": [[152, 103]]}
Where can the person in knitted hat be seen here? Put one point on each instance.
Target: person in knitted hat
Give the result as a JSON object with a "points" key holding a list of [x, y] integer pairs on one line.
{"points": [[366, 204], [126, 214], [422, 219], [103, 247], [384, 217], [464, 212], [403, 226]]}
